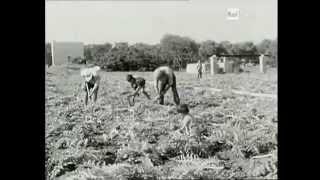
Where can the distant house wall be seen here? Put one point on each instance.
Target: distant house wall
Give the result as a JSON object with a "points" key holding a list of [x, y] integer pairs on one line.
{"points": [[206, 68], [192, 68], [61, 51], [222, 66], [228, 67]]}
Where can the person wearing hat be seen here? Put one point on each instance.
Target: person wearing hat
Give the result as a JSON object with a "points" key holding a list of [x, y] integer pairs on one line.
{"points": [[138, 84], [164, 79], [91, 84]]}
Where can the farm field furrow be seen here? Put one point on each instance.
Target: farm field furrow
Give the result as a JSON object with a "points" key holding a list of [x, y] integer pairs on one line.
{"points": [[236, 134]]}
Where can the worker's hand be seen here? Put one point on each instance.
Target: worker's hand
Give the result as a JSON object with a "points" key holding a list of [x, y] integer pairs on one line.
{"points": [[132, 95], [91, 93], [157, 98]]}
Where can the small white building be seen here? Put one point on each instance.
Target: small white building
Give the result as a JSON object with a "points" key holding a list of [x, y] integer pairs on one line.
{"points": [[64, 51], [192, 68]]}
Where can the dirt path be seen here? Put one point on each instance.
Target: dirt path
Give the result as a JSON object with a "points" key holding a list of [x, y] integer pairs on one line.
{"points": [[240, 92], [273, 96]]}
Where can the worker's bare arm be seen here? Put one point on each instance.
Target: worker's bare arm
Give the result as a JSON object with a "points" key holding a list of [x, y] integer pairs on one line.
{"points": [[96, 86], [167, 87], [137, 91]]}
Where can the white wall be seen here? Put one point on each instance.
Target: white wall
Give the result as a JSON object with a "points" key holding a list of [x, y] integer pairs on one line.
{"points": [[192, 68], [61, 51]]}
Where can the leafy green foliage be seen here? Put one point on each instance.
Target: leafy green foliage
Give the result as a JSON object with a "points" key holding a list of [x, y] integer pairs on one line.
{"points": [[172, 50]]}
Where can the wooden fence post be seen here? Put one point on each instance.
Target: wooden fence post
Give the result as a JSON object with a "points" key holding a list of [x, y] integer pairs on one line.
{"points": [[262, 64], [213, 65]]}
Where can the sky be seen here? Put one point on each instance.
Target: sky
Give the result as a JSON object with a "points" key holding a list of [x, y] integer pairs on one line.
{"points": [[133, 21]]}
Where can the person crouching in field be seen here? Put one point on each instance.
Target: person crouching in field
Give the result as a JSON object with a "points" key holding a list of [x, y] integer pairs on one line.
{"points": [[199, 68], [164, 78], [137, 84], [91, 83], [187, 121]]}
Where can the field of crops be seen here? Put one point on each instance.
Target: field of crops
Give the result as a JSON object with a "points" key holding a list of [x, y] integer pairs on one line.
{"points": [[237, 133]]}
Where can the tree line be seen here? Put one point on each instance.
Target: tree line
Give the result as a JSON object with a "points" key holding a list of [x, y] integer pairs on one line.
{"points": [[173, 50]]}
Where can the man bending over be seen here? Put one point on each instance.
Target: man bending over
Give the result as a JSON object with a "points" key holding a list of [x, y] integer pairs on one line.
{"points": [[164, 79]]}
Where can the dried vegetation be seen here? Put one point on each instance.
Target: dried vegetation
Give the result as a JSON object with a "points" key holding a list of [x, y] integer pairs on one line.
{"points": [[234, 137]]}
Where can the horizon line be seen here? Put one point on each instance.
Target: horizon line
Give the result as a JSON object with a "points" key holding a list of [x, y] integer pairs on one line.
{"points": [[113, 42]]}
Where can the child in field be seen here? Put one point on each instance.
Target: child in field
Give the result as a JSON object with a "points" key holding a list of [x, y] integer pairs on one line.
{"points": [[137, 84], [114, 132], [187, 120], [91, 83]]}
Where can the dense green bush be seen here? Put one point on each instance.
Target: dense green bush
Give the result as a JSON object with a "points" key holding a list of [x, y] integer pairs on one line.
{"points": [[173, 50]]}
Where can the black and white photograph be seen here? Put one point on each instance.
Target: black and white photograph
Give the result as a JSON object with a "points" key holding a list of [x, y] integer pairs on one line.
{"points": [[161, 89]]}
